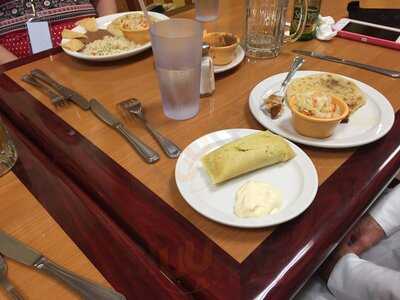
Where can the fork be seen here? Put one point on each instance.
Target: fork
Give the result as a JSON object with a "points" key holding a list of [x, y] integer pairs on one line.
{"points": [[273, 104], [5, 283], [135, 109], [298, 61], [56, 99]]}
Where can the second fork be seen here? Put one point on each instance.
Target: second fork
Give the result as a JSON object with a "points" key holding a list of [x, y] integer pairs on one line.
{"points": [[134, 108], [56, 99]]}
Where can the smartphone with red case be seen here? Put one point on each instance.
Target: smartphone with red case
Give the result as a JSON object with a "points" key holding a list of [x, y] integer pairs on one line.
{"points": [[368, 33]]}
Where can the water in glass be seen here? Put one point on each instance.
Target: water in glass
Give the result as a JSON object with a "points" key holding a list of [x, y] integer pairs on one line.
{"points": [[206, 10], [180, 91], [177, 50]]}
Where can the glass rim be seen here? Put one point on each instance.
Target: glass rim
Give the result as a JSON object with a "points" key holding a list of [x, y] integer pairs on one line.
{"points": [[152, 33]]}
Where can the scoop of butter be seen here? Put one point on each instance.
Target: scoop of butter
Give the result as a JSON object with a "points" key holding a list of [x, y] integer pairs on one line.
{"points": [[256, 199]]}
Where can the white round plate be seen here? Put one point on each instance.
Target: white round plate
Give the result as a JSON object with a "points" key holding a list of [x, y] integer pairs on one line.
{"points": [[297, 179], [368, 124], [239, 56], [102, 23]]}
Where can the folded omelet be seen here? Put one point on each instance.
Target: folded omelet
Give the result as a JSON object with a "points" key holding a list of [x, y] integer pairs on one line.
{"points": [[330, 84], [246, 154]]}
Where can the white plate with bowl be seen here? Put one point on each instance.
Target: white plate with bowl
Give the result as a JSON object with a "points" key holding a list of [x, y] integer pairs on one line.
{"points": [[239, 56], [297, 179], [102, 23], [368, 124]]}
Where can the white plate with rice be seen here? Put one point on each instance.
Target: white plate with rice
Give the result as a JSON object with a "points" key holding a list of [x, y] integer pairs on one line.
{"points": [[114, 48]]}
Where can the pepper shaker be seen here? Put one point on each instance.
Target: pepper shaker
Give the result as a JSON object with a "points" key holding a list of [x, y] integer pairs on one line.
{"points": [[207, 80]]}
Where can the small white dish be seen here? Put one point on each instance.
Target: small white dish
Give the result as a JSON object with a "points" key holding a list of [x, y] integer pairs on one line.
{"points": [[368, 124], [239, 56], [297, 179], [102, 23]]}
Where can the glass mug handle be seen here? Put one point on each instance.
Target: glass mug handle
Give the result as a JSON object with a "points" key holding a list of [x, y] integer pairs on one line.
{"points": [[300, 26]]}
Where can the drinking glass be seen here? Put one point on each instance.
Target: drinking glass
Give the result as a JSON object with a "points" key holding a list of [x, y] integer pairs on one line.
{"points": [[206, 10], [266, 24], [177, 46], [8, 154]]}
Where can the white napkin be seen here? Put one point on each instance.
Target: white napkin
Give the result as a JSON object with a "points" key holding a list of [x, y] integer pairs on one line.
{"points": [[325, 30]]}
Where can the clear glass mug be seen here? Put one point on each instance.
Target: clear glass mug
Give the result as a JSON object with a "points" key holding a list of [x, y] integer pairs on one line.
{"points": [[8, 153], [266, 26]]}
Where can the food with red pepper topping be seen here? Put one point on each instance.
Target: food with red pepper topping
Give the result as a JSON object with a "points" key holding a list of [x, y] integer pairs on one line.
{"points": [[317, 105]]}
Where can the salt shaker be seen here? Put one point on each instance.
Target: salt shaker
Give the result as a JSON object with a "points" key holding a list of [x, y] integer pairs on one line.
{"points": [[207, 80]]}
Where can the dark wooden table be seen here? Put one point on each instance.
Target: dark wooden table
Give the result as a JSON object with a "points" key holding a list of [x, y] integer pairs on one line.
{"points": [[151, 247]]}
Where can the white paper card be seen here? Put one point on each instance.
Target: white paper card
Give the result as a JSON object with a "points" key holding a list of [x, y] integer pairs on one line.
{"points": [[39, 35]]}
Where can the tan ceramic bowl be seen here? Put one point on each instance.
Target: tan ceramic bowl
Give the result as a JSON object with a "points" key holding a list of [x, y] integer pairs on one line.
{"points": [[316, 127], [221, 55], [138, 36]]}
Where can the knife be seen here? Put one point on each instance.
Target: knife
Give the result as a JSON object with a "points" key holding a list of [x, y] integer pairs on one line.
{"points": [[68, 94], [148, 154], [15, 250], [387, 72]]}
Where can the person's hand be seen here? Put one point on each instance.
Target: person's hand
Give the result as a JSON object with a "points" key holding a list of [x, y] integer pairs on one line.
{"points": [[327, 267], [363, 236], [6, 56]]}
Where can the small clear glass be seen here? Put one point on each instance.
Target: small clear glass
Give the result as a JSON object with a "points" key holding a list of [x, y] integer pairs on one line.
{"points": [[177, 47], [8, 153], [206, 10]]}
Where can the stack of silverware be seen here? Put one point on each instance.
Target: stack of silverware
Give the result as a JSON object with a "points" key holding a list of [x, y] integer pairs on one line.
{"points": [[62, 96]]}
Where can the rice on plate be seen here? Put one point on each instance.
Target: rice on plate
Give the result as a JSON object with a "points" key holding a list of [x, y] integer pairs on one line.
{"points": [[109, 45], [105, 41]]}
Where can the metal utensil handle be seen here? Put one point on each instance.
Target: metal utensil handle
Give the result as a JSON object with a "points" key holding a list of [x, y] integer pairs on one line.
{"points": [[387, 72], [297, 63], [83, 287], [14, 295], [31, 80], [64, 91], [148, 154], [170, 149], [46, 78], [11, 290]]}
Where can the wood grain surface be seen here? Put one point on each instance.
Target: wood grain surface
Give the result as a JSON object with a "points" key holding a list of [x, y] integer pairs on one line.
{"points": [[227, 108], [282, 263], [25, 219], [152, 231], [146, 218], [122, 262]]}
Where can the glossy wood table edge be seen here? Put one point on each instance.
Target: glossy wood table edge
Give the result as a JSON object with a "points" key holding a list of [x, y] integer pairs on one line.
{"points": [[253, 277], [128, 269], [29, 59], [341, 200], [172, 240]]}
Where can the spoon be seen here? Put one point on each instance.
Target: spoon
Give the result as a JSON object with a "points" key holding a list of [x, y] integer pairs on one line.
{"points": [[6, 284], [145, 12]]}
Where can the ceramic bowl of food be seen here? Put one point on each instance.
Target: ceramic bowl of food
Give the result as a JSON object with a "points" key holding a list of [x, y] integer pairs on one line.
{"points": [[222, 46], [136, 30], [317, 119]]}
